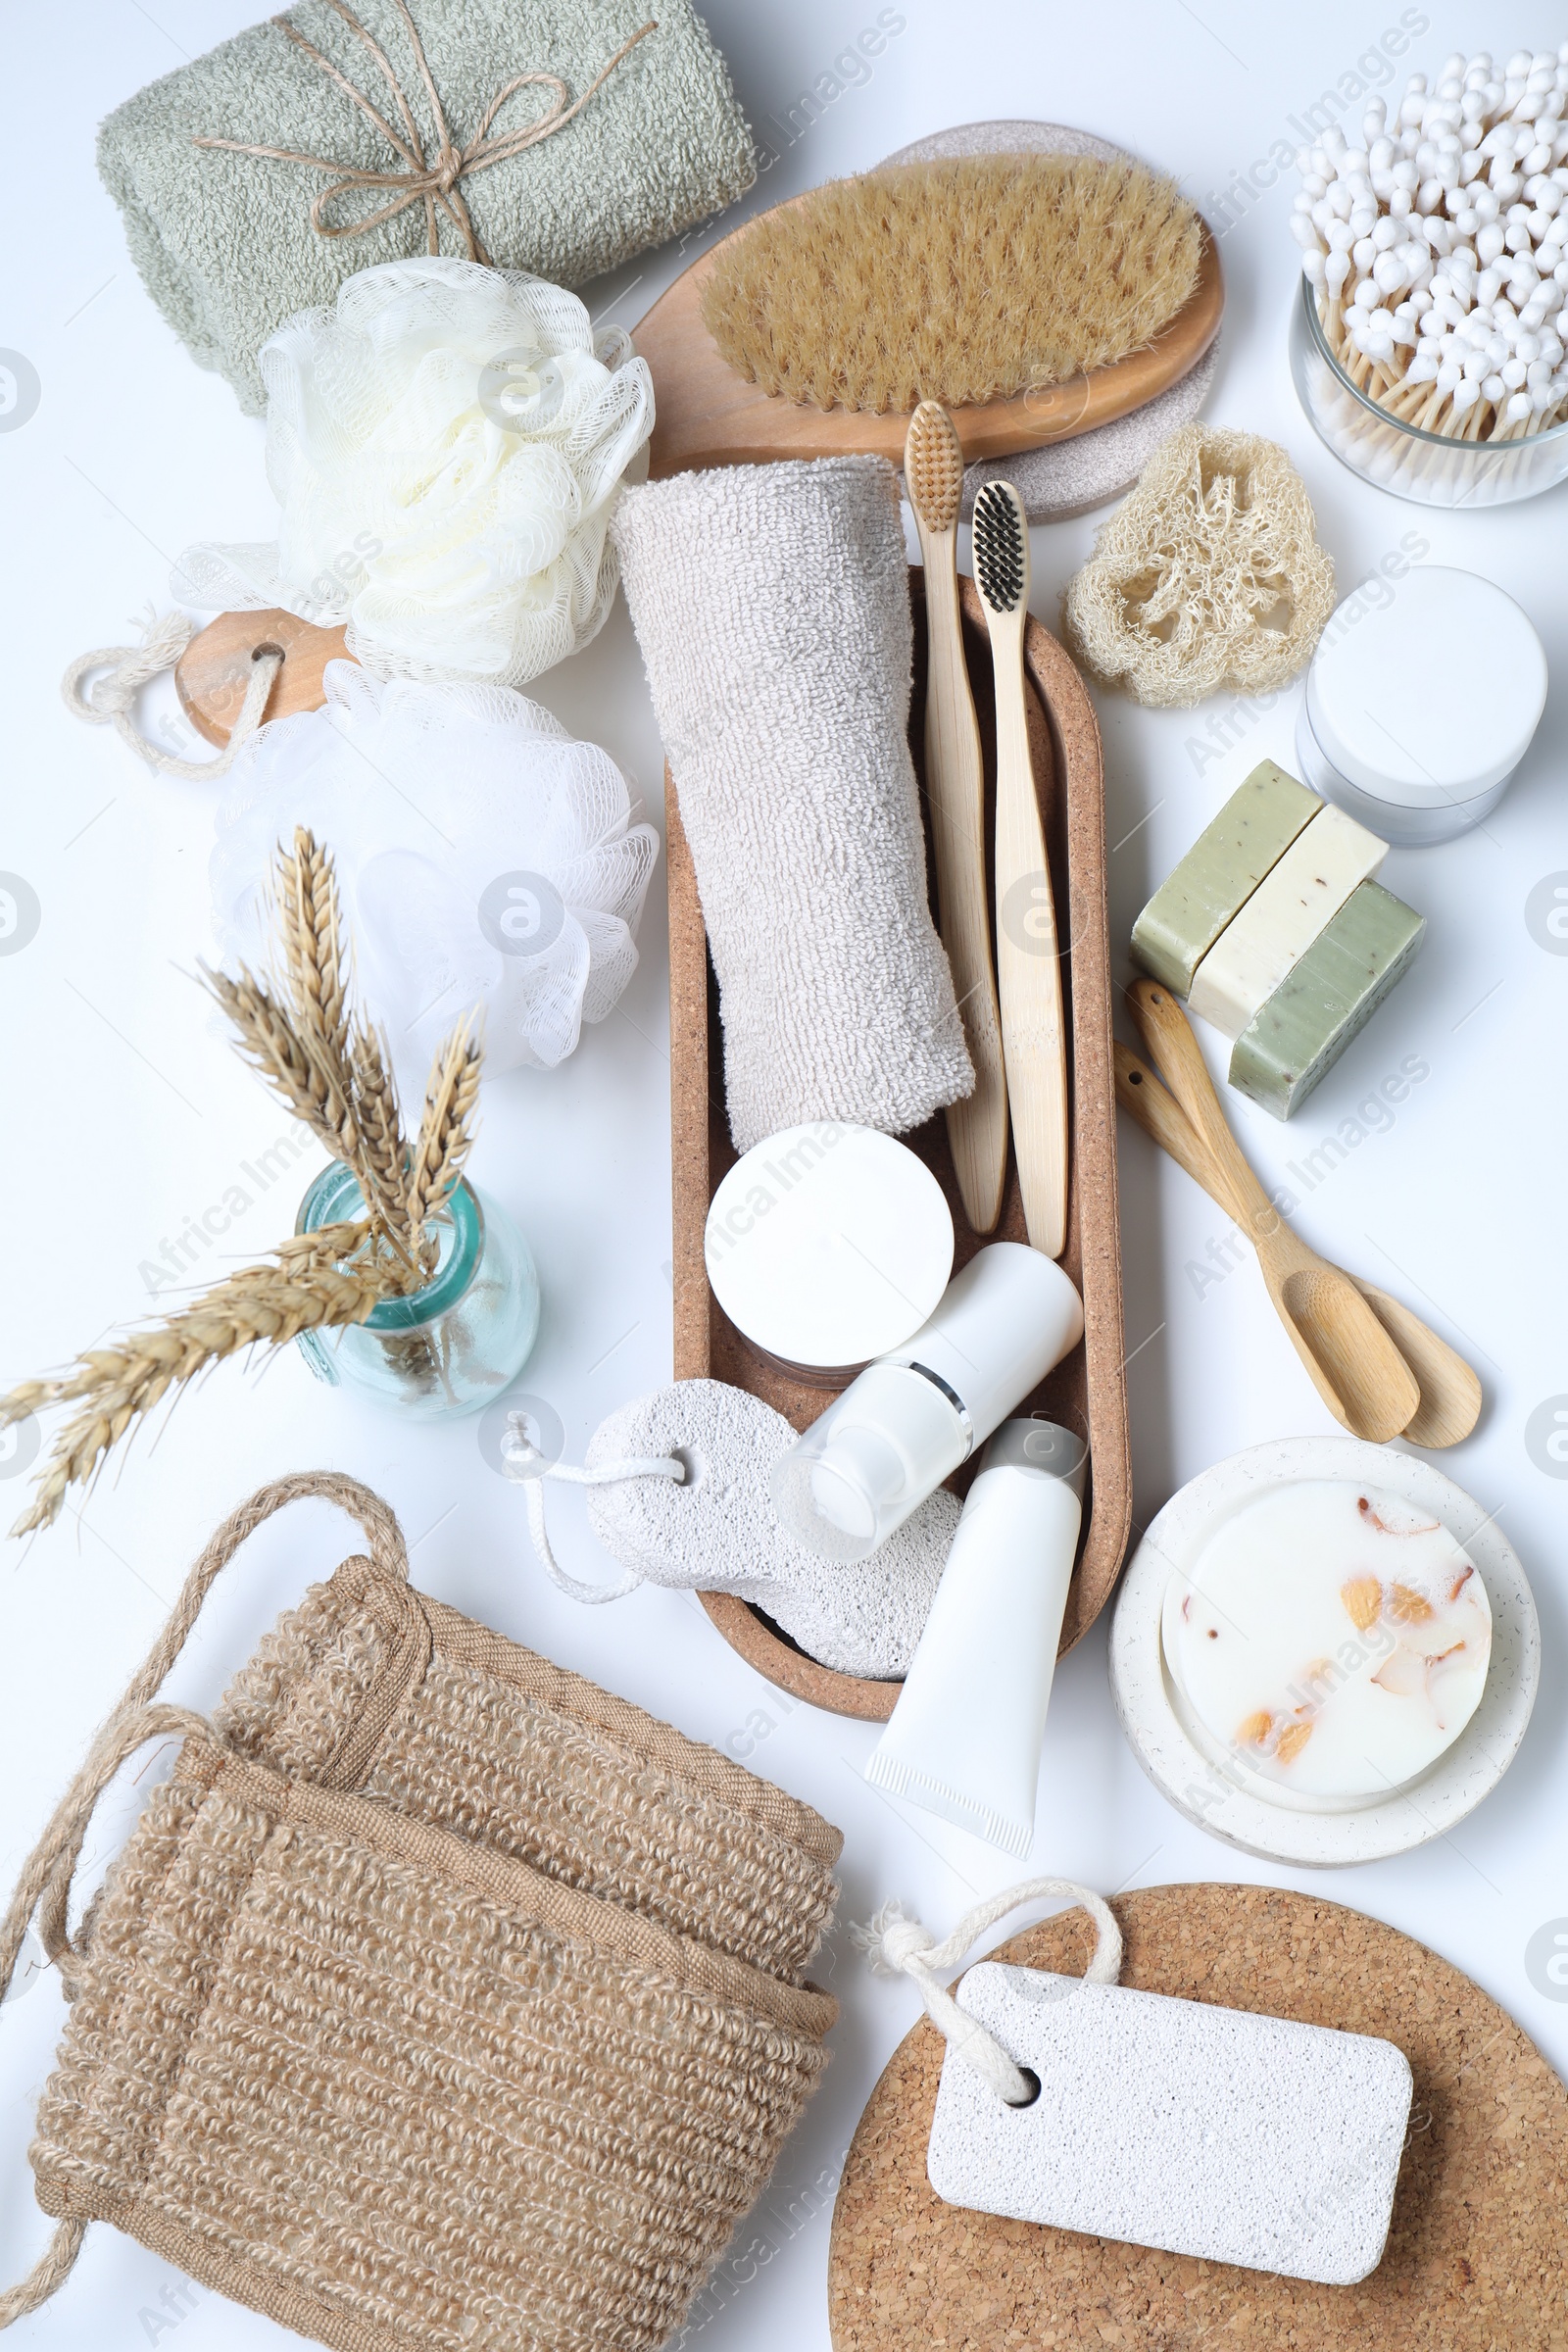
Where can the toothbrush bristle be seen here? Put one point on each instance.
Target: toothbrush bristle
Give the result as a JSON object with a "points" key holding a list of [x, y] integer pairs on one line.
{"points": [[999, 547], [933, 467]]}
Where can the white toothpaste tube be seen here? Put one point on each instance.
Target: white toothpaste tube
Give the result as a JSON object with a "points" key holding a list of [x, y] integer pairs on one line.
{"points": [[965, 1736]]}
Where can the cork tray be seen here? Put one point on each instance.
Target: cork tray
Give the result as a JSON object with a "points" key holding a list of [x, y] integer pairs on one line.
{"points": [[1479, 2244], [1087, 1391]]}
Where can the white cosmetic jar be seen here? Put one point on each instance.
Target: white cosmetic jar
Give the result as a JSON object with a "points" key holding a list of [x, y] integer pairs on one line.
{"points": [[1417, 712], [827, 1245]]}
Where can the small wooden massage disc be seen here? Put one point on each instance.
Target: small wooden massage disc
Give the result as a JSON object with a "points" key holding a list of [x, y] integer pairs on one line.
{"points": [[1476, 2259], [213, 672]]}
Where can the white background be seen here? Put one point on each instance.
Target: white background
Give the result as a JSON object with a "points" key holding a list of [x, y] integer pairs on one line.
{"points": [[126, 1115]]}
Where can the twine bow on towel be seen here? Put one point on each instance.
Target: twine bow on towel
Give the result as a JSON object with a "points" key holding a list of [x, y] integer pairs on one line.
{"points": [[434, 183]]}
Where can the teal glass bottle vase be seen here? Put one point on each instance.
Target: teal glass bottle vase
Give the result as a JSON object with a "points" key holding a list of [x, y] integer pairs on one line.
{"points": [[451, 1346]]}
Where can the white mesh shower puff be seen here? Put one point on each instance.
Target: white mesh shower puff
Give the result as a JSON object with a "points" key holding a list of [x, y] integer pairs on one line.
{"points": [[446, 445], [485, 859]]}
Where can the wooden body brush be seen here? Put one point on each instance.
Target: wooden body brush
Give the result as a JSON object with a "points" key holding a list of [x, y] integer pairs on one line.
{"points": [[1028, 956], [954, 779], [813, 330]]}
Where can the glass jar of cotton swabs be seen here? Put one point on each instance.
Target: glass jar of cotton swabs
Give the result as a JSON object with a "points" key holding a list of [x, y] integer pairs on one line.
{"points": [[1427, 347]]}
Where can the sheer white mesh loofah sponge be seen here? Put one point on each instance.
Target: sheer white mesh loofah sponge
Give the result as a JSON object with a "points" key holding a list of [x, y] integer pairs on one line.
{"points": [[484, 856], [446, 445]]}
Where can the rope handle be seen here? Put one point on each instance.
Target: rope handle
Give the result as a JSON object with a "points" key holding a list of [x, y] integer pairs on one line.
{"points": [[111, 699], [527, 1467], [53, 1861], [387, 1552], [897, 1945]]}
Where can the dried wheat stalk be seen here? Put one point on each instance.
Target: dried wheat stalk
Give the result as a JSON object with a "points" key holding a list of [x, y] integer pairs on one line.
{"points": [[329, 1065], [446, 1132], [114, 1386]]}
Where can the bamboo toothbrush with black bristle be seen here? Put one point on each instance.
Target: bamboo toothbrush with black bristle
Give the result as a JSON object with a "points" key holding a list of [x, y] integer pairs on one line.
{"points": [[1028, 957], [954, 783]]}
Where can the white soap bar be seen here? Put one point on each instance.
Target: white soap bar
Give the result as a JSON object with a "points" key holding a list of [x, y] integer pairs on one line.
{"points": [[829, 1244], [1332, 1640], [1329, 858], [1170, 2124]]}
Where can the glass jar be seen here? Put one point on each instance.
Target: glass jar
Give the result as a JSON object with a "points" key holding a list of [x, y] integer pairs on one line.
{"points": [[1433, 468], [452, 1346]]}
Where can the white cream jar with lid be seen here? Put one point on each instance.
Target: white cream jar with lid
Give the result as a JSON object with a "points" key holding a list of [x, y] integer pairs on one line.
{"points": [[1416, 715], [827, 1245]]}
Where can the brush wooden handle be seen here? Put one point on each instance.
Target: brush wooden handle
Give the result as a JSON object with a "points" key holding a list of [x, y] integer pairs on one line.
{"points": [[1028, 957], [954, 783]]}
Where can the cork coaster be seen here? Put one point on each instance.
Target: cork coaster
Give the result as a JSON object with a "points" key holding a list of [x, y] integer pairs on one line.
{"points": [[1478, 2252]]}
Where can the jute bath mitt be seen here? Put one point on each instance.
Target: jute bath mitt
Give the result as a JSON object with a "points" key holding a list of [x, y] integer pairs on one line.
{"points": [[772, 607], [225, 241], [1208, 575], [438, 1999]]}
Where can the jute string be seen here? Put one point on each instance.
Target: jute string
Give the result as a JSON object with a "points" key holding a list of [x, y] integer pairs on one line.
{"points": [[56, 1855], [433, 184], [386, 1551], [44, 1885], [111, 699], [528, 1467], [897, 1945]]}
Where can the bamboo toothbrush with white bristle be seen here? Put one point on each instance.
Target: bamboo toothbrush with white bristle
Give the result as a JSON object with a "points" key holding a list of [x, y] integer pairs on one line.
{"points": [[954, 783], [1028, 957]]}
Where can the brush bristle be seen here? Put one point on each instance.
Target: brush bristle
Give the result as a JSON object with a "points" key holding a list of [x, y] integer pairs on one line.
{"points": [[970, 279], [933, 467], [1001, 550]]}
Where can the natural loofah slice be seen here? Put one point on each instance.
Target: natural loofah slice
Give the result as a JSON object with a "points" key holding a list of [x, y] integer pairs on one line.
{"points": [[964, 280], [1208, 575]]}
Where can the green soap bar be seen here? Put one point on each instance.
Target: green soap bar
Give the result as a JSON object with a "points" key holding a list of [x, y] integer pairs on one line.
{"points": [[1219, 874], [1300, 1031]]}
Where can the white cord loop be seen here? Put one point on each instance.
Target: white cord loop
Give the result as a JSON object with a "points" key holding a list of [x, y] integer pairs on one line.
{"points": [[529, 1468], [894, 1945], [111, 699]]}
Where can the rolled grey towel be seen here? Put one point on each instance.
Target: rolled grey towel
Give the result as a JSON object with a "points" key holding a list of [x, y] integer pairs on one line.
{"points": [[772, 607], [225, 243]]}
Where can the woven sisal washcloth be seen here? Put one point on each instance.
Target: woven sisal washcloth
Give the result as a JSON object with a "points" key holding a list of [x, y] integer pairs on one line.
{"points": [[439, 2002]]}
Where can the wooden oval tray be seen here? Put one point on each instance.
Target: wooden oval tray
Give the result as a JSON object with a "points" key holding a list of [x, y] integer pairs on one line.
{"points": [[1088, 1391], [1476, 2257], [708, 413]]}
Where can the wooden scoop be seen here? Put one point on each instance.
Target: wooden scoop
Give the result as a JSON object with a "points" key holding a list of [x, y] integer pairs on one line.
{"points": [[1451, 1393], [1353, 1362]]}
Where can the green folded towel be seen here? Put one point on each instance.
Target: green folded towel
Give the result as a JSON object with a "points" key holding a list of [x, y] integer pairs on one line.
{"points": [[225, 241]]}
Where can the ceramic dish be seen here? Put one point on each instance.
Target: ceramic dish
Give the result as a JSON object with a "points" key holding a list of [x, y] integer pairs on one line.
{"points": [[1199, 1788]]}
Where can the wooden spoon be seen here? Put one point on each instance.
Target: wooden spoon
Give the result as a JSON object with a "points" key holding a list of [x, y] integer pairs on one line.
{"points": [[1351, 1361], [1451, 1393]]}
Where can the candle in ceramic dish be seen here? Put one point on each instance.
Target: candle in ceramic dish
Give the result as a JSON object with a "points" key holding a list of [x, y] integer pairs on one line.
{"points": [[1332, 1638]]}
